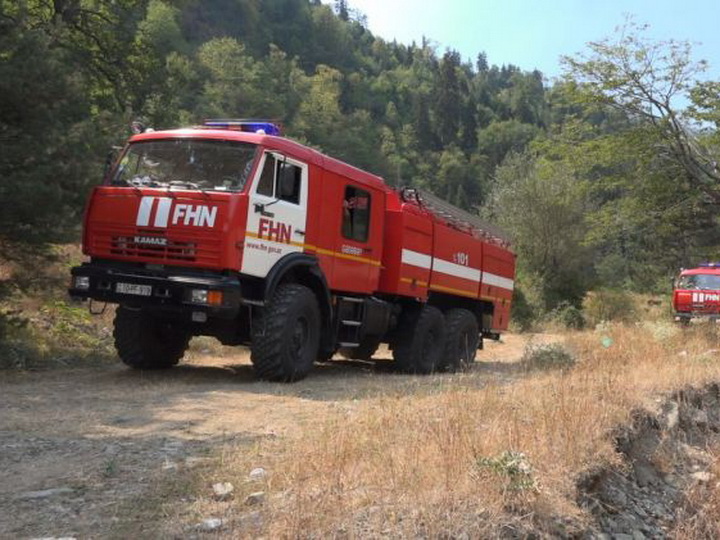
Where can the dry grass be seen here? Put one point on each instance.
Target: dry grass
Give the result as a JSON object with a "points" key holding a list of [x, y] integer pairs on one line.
{"points": [[700, 517], [488, 461]]}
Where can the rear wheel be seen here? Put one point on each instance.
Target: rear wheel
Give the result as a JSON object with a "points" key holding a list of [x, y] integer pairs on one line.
{"points": [[145, 342], [287, 336], [461, 339], [420, 339]]}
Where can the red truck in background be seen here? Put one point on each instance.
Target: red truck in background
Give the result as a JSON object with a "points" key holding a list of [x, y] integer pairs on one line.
{"points": [[696, 293], [230, 230]]}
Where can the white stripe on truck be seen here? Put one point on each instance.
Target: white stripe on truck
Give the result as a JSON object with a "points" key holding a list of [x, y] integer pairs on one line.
{"points": [[413, 258], [456, 270], [498, 281], [422, 260]]}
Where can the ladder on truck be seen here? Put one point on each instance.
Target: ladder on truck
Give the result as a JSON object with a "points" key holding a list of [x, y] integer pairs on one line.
{"points": [[458, 218]]}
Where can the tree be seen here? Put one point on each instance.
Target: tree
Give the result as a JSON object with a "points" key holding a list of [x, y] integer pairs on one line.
{"points": [[542, 206], [448, 100], [51, 141], [459, 180], [231, 79], [341, 8], [281, 86], [645, 80], [501, 138]]}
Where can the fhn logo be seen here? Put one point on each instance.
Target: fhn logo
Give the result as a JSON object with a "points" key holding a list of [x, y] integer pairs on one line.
{"points": [[158, 209], [705, 297]]}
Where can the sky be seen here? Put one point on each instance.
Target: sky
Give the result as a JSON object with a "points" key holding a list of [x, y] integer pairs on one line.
{"points": [[534, 34]]}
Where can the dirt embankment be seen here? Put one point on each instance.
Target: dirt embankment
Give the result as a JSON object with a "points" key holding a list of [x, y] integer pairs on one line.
{"points": [[668, 485], [78, 447]]}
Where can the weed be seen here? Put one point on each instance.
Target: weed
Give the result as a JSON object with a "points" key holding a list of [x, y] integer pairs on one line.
{"points": [[608, 305], [39, 327], [546, 357], [111, 469], [69, 325], [660, 330], [512, 466]]}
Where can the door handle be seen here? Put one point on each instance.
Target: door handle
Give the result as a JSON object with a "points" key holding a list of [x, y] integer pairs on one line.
{"points": [[298, 231]]}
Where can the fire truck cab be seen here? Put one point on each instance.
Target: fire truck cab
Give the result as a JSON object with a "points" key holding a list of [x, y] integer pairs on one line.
{"points": [[230, 230], [696, 293]]}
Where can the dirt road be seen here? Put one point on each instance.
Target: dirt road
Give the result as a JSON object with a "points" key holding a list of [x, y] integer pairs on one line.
{"points": [[77, 444]]}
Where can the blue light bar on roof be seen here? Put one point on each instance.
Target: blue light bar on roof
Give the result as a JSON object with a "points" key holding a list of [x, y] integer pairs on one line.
{"points": [[709, 265], [249, 126]]}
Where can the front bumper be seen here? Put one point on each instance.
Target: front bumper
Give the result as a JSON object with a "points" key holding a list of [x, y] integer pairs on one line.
{"points": [[687, 316], [169, 290]]}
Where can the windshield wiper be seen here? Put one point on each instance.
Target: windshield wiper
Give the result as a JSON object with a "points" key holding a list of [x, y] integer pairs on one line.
{"points": [[183, 184]]}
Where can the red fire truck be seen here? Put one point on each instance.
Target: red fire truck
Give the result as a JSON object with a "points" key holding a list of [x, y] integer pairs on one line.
{"points": [[697, 293], [233, 231]]}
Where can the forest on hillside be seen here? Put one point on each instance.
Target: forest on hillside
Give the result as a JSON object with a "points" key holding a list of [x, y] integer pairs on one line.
{"points": [[606, 178]]}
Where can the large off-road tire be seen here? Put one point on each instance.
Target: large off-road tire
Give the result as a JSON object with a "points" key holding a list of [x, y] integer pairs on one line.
{"points": [[145, 342], [365, 351], [420, 340], [287, 335], [461, 340]]}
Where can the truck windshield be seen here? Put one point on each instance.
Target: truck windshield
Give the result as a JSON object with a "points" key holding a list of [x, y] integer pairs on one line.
{"points": [[702, 282], [185, 164]]}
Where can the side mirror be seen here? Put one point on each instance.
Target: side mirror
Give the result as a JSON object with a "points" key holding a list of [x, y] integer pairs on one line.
{"points": [[260, 209], [110, 160]]}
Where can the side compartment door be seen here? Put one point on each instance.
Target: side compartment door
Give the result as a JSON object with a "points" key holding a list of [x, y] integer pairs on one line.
{"points": [[277, 213]]}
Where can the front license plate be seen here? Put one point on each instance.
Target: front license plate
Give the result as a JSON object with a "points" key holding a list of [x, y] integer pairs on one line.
{"points": [[133, 288]]}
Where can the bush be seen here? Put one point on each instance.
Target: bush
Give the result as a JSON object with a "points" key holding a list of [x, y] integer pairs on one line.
{"points": [[568, 316], [546, 357], [608, 305], [523, 314]]}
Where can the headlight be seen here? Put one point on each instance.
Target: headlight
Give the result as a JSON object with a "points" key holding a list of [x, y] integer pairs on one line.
{"points": [[199, 296], [203, 296]]}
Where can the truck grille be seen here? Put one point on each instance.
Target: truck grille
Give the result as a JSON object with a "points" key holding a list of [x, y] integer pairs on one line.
{"points": [[196, 248], [178, 251]]}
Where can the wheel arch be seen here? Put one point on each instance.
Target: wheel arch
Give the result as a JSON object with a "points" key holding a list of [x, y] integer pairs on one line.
{"points": [[304, 269], [482, 309]]}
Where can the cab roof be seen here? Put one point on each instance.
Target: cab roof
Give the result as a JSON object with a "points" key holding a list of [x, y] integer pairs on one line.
{"points": [[270, 142], [709, 270]]}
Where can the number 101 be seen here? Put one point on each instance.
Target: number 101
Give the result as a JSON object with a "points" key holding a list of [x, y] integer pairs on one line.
{"points": [[461, 258]]}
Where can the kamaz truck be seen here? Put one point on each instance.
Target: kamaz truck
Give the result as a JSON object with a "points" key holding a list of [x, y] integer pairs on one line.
{"points": [[231, 230]]}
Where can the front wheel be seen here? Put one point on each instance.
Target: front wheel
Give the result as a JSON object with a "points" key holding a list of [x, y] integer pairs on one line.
{"points": [[461, 339], [145, 342], [286, 337]]}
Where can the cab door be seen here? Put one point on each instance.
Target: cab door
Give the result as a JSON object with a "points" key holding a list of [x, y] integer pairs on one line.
{"points": [[277, 213], [357, 249]]}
